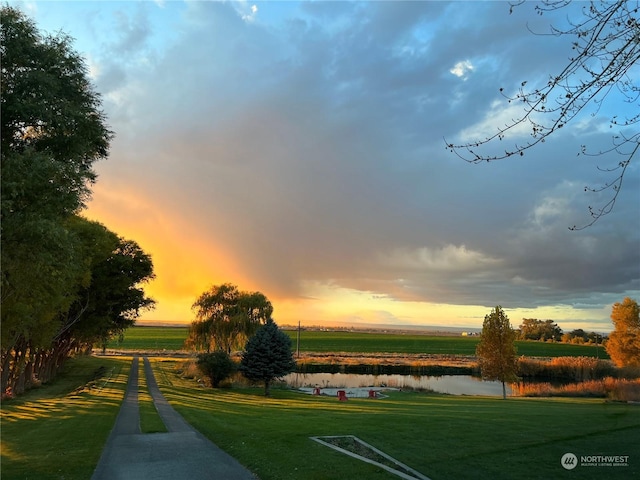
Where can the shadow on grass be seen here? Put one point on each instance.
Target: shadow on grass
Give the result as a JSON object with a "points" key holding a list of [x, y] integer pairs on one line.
{"points": [[59, 430], [443, 436]]}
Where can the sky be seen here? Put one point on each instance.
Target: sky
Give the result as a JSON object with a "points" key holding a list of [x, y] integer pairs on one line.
{"points": [[298, 149]]}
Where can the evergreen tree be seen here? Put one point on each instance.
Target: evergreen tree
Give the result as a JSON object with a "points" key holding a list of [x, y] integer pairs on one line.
{"points": [[267, 355]]}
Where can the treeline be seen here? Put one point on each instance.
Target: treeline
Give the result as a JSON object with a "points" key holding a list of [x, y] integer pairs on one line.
{"points": [[622, 344], [548, 330], [67, 282]]}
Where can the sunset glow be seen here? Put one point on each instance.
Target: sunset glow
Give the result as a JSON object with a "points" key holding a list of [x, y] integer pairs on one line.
{"points": [[296, 149]]}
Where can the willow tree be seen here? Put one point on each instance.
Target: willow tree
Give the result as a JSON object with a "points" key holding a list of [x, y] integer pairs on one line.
{"points": [[623, 345], [497, 351], [226, 317], [598, 77]]}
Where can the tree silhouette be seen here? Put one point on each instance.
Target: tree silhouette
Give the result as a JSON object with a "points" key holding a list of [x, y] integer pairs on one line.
{"points": [[606, 46]]}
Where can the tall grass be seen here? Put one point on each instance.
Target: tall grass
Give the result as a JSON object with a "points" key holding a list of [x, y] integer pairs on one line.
{"points": [[566, 368], [615, 389]]}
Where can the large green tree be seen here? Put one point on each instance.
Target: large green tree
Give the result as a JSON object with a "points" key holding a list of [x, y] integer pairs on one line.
{"points": [[497, 351], [52, 132], [105, 298], [57, 269], [226, 317], [267, 355], [623, 345]]}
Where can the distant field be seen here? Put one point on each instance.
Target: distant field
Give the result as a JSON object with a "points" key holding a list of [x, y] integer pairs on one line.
{"points": [[442, 345], [152, 338], [172, 338]]}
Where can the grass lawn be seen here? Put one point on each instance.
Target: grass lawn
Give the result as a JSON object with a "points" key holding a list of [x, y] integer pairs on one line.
{"points": [[58, 431], [172, 338], [150, 421], [443, 437]]}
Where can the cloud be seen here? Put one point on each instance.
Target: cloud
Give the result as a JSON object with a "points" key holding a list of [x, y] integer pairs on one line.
{"points": [[297, 149], [450, 258], [462, 69]]}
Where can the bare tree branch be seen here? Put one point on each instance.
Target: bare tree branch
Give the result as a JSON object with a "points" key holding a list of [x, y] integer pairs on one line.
{"points": [[606, 45]]}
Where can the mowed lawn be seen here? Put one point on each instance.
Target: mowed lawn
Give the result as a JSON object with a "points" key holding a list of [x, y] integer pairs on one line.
{"points": [[172, 338], [59, 430], [441, 436]]}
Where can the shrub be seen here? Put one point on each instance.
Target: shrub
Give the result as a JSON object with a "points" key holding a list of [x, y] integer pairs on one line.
{"points": [[216, 366]]}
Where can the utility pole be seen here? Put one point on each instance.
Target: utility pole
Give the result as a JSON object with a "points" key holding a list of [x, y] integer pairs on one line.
{"points": [[298, 343]]}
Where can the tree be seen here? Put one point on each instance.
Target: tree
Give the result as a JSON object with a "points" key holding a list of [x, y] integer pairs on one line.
{"points": [[605, 48], [227, 317], [52, 127], [66, 282], [115, 297], [267, 355], [216, 366], [496, 351], [52, 131], [105, 297], [533, 329], [623, 345]]}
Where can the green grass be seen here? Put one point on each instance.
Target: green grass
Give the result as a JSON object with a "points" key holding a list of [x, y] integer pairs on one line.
{"points": [[59, 430], [318, 341], [172, 338], [150, 421], [443, 437], [151, 338]]}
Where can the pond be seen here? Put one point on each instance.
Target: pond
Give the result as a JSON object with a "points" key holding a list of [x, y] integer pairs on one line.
{"points": [[451, 384]]}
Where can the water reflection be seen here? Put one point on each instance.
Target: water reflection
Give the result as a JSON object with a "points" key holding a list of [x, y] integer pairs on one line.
{"points": [[451, 384]]}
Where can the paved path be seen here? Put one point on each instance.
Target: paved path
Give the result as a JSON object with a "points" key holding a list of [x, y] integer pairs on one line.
{"points": [[182, 453]]}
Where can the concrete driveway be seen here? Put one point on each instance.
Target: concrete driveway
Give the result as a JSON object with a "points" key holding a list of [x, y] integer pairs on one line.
{"points": [[181, 453]]}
